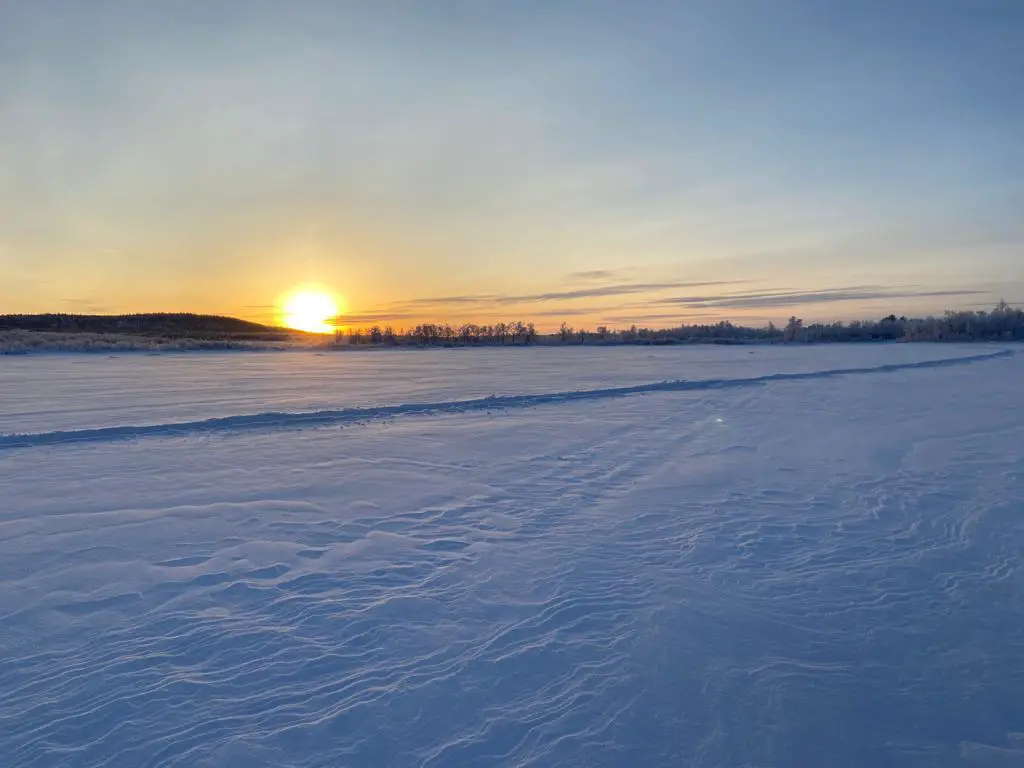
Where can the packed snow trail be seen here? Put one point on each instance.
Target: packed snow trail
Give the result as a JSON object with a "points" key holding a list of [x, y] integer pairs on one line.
{"points": [[323, 418]]}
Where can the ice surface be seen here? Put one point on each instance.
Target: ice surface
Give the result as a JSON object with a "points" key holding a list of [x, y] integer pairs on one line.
{"points": [[823, 570]]}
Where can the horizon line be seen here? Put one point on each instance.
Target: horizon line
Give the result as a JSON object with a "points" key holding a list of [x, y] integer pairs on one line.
{"points": [[695, 320]]}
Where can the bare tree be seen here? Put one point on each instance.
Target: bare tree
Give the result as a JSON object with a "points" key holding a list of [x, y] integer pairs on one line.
{"points": [[794, 329], [518, 329]]}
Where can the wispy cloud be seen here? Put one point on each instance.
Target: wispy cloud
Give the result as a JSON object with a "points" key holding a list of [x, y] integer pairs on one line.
{"points": [[768, 299], [385, 316], [664, 317], [364, 318], [608, 290], [566, 312], [479, 298], [90, 306], [595, 274], [618, 289]]}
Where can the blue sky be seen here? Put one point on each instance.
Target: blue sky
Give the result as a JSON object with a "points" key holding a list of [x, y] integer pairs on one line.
{"points": [[648, 162]]}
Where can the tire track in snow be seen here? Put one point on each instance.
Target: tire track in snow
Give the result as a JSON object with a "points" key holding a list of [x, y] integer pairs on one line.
{"points": [[286, 420]]}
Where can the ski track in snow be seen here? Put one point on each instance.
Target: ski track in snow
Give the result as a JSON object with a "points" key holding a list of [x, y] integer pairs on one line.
{"points": [[813, 568], [351, 415]]}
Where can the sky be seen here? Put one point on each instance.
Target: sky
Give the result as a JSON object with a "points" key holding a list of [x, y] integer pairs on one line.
{"points": [[590, 161]]}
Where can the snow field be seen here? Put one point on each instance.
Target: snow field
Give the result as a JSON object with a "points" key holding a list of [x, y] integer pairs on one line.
{"points": [[787, 571]]}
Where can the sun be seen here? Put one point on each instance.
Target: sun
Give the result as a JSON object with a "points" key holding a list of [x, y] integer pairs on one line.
{"points": [[309, 309]]}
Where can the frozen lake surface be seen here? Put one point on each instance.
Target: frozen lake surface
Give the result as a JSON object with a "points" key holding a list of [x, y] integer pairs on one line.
{"points": [[761, 556]]}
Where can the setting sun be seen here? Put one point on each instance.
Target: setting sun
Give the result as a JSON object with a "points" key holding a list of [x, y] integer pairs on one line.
{"points": [[311, 310]]}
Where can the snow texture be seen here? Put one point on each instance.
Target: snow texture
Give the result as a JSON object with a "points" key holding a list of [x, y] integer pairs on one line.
{"points": [[592, 557]]}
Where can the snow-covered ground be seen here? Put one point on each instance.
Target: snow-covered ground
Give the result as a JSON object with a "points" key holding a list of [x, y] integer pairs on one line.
{"points": [[771, 563]]}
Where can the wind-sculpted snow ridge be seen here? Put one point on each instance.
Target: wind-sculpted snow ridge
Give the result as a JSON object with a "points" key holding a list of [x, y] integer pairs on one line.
{"points": [[323, 418]]}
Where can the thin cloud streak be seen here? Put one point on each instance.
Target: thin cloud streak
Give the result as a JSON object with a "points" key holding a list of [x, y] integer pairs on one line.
{"points": [[611, 290], [795, 298], [622, 289], [432, 300], [670, 317], [383, 316], [595, 274], [90, 306], [364, 318], [567, 312]]}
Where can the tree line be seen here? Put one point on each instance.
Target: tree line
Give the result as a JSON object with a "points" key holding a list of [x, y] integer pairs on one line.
{"points": [[1003, 323], [442, 334]]}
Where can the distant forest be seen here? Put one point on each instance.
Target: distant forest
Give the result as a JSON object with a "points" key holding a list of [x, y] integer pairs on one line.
{"points": [[1003, 323]]}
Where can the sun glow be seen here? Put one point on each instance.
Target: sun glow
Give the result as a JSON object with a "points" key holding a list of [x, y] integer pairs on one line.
{"points": [[309, 309]]}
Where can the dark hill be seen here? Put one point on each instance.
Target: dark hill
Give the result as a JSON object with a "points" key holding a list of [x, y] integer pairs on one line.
{"points": [[162, 324]]}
